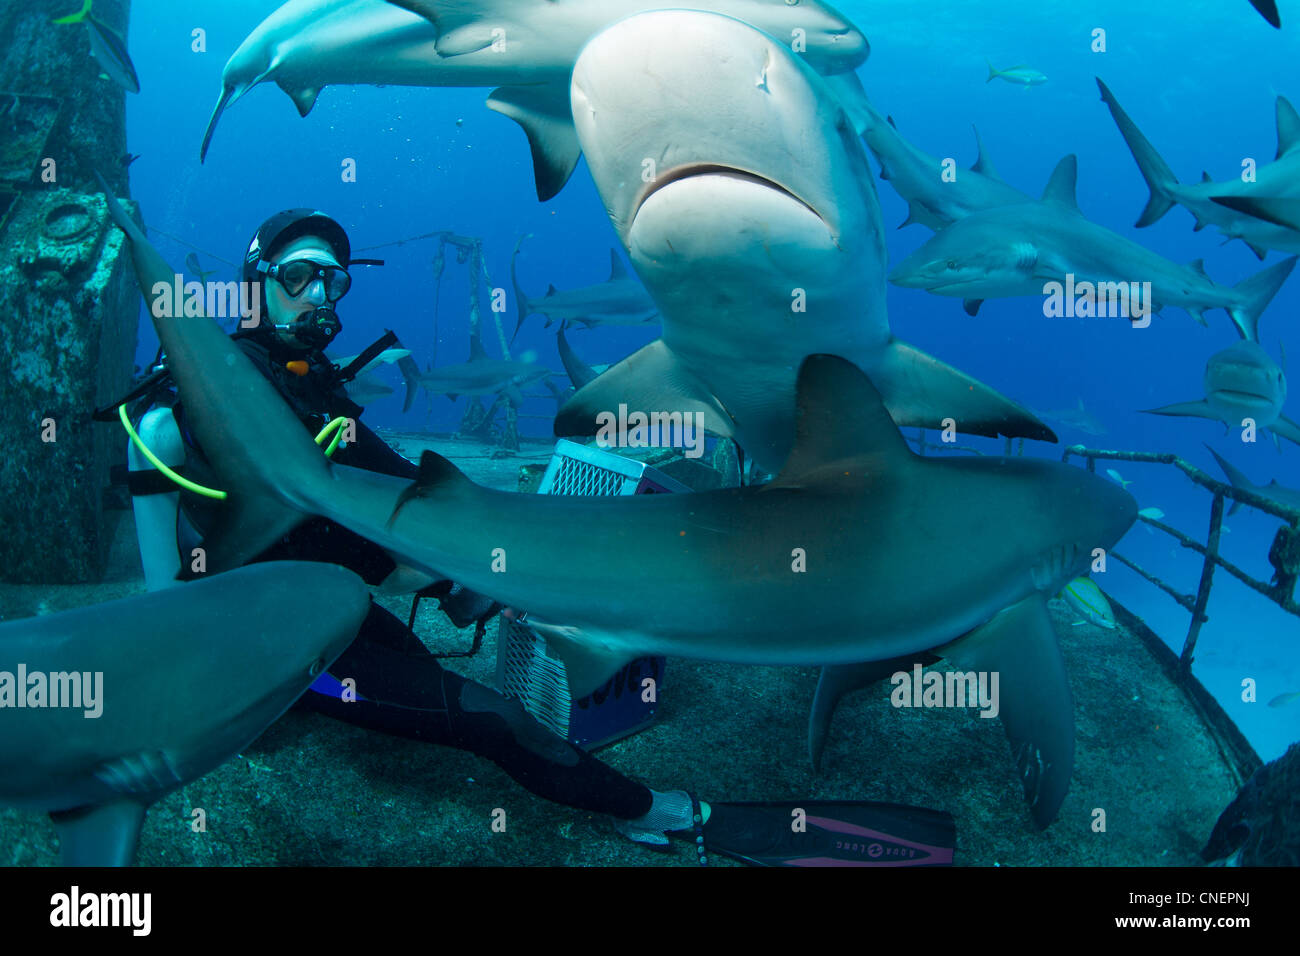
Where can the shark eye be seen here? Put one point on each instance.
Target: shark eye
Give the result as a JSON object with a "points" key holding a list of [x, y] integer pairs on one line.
{"points": [[317, 667], [792, 3], [952, 263]]}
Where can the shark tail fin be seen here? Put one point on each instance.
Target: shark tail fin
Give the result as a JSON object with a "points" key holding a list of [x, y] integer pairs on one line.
{"points": [[1235, 477], [522, 308], [993, 73], [1256, 293], [1267, 9], [1159, 177]]}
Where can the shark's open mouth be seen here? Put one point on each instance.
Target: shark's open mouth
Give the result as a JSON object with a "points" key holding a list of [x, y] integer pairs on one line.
{"points": [[677, 174]]}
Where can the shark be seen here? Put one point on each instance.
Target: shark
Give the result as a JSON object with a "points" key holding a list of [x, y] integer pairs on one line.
{"points": [[1268, 10], [752, 219], [1261, 213], [1077, 418], [1241, 382], [524, 49], [367, 387], [1280, 494], [918, 177], [190, 676], [905, 554], [484, 375], [1017, 250], [579, 372], [619, 300]]}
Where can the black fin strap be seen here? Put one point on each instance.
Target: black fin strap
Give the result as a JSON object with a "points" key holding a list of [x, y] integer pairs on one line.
{"points": [[365, 358]]}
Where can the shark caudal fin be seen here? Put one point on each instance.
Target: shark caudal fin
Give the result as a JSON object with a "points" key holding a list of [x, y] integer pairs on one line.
{"points": [[1256, 293], [1159, 177], [1032, 697], [1236, 477], [522, 307], [579, 372], [1268, 10]]}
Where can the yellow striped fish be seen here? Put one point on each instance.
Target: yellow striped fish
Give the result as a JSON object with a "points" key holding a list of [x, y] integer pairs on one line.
{"points": [[1086, 598]]}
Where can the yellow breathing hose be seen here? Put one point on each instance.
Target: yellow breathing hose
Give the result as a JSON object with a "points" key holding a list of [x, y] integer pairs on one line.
{"points": [[335, 428]]}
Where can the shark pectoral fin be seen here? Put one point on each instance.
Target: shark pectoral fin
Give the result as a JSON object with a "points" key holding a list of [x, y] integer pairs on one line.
{"points": [[586, 655], [228, 95], [406, 580], [1032, 697], [544, 113], [1199, 409], [971, 306], [920, 392], [245, 527], [1285, 428], [304, 98], [840, 679], [847, 90], [102, 835], [649, 380]]}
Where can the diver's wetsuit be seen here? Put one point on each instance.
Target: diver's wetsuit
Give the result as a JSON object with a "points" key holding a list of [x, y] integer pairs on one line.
{"points": [[400, 687]]}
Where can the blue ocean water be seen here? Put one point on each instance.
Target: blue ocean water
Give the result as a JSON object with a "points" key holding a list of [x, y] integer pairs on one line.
{"points": [[1199, 78]]}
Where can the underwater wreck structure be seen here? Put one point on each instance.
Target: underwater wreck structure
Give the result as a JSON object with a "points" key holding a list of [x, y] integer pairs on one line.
{"points": [[68, 303]]}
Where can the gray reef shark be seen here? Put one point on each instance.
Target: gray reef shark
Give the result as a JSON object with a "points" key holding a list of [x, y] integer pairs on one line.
{"points": [[1280, 494], [1241, 382], [1077, 418], [1017, 250], [484, 375], [524, 48], [903, 554], [619, 300], [757, 233], [185, 678], [1256, 213], [918, 177]]}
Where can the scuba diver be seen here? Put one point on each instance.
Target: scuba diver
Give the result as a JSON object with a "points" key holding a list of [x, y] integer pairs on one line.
{"points": [[298, 261], [300, 258]]}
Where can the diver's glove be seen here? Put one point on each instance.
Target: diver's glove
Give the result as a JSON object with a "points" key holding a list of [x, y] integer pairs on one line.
{"points": [[464, 607], [669, 811]]}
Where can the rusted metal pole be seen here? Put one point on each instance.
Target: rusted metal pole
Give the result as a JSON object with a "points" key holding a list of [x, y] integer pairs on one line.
{"points": [[1203, 591]]}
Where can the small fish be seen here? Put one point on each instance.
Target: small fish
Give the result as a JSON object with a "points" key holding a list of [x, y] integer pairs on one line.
{"points": [[1154, 514], [1281, 700], [1085, 597], [108, 47], [1023, 75], [1117, 477], [192, 263]]}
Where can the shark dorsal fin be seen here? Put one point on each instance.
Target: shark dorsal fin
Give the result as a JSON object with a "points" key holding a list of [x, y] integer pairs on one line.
{"points": [[1288, 127], [476, 351], [890, 119], [840, 417], [616, 268], [1061, 186], [1198, 265], [983, 165], [1206, 177]]}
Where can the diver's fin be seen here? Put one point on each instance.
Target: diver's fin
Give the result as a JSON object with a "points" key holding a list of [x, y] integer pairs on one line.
{"points": [[544, 113], [1033, 697], [841, 679], [102, 835], [1199, 409], [1285, 428], [920, 392], [807, 833], [647, 380]]}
